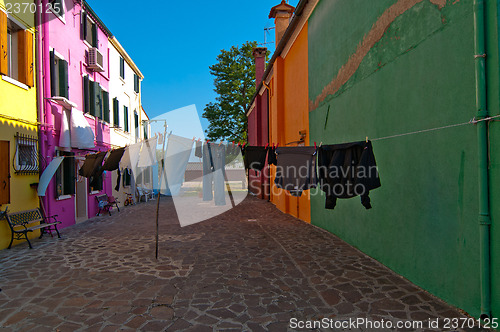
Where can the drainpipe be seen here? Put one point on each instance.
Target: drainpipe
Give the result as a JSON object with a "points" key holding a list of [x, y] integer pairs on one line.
{"points": [[482, 132], [40, 92]]}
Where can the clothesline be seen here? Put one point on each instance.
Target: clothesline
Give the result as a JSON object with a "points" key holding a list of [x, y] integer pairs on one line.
{"points": [[473, 121]]}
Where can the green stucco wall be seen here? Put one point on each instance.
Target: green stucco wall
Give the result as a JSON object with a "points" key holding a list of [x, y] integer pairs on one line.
{"points": [[416, 73]]}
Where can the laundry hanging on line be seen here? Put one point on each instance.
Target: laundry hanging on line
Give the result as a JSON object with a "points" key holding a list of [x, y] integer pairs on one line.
{"points": [[214, 159], [92, 164], [198, 152], [113, 161], [347, 170], [147, 154], [131, 157], [254, 157], [296, 169], [176, 159], [271, 155]]}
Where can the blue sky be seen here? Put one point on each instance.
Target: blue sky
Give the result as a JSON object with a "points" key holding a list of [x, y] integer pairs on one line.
{"points": [[174, 42]]}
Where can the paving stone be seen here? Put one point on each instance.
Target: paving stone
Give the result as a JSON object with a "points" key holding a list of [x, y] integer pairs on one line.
{"points": [[179, 325], [136, 322], [224, 272], [162, 312]]}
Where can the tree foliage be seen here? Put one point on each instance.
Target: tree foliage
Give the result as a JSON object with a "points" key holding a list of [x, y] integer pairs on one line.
{"points": [[235, 86]]}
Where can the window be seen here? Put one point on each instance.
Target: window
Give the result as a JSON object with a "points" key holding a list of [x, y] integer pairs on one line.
{"points": [[66, 175], [95, 99], [125, 118], [146, 177], [105, 105], [96, 184], [58, 76], [122, 68], [136, 124], [4, 172], [16, 44], [57, 7], [116, 112], [126, 177], [136, 83], [145, 126], [89, 30], [26, 156]]}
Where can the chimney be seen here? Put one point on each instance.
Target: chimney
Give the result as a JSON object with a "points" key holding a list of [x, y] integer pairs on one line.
{"points": [[259, 53], [281, 14]]}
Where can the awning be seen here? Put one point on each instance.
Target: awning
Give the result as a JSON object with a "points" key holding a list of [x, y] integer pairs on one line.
{"points": [[47, 175], [82, 136]]}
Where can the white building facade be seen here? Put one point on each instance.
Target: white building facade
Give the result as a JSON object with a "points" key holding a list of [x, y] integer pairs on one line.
{"points": [[128, 120]]}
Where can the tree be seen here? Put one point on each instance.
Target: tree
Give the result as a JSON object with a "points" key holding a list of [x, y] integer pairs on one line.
{"points": [[235, 86]]}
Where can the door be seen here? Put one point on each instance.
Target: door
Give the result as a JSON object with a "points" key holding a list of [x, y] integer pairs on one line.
{"points": [[4, 172], [81, 197]]}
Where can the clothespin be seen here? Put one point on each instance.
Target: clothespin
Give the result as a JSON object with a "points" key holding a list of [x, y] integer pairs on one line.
{"points": [[233, 143], [315, 145], [366, 139], [239, 143], [321, 143], [267, 145], [277, 144], [220, 143], [194, 138]]}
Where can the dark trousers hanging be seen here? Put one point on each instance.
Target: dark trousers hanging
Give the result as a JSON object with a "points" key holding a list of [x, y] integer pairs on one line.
{"points": [[214, 158]]}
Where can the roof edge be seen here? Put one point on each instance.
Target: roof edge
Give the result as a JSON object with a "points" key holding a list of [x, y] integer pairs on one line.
{"points": [[113, 41], [281, 46]]}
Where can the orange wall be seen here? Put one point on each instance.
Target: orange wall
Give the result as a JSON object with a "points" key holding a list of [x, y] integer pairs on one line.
{"points": [[289, 114]]}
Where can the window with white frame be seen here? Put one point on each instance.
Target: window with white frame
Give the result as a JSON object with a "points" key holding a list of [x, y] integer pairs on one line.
{"points": [[58, 75], [89, 30], [65, 178]]}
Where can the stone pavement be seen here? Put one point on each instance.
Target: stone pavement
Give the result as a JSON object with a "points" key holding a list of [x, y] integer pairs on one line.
{"points": [[250, 269]]}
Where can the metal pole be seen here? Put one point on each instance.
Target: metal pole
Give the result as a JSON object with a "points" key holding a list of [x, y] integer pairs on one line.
{"points": [[482, 132], [159, 181], [159, 186]]}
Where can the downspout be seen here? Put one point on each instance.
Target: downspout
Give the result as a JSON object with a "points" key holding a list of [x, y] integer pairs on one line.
{"points": [[482, 132], [42, 138]]}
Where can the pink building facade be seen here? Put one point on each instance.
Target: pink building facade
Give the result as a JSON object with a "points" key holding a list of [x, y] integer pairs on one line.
{"points": [[74, 81]]}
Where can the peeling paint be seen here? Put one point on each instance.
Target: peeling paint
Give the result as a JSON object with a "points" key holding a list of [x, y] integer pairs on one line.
{"points": [[370, 39], [439, 3]]}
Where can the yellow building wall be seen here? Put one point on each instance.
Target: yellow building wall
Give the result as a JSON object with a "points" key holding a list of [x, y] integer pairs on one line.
{"points": [[18, 114], [289, 114]]}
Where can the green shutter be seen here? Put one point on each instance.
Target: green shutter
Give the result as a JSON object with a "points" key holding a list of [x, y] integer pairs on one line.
{"points": [[95, 41], [98, 100], [53, 74], [116, 112], [86, 96], [84, 25], [125, 118], [58, 181], [63, 79], [105, 105], [69, 175], [122, 68], [136, 83], [92, 99]]}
